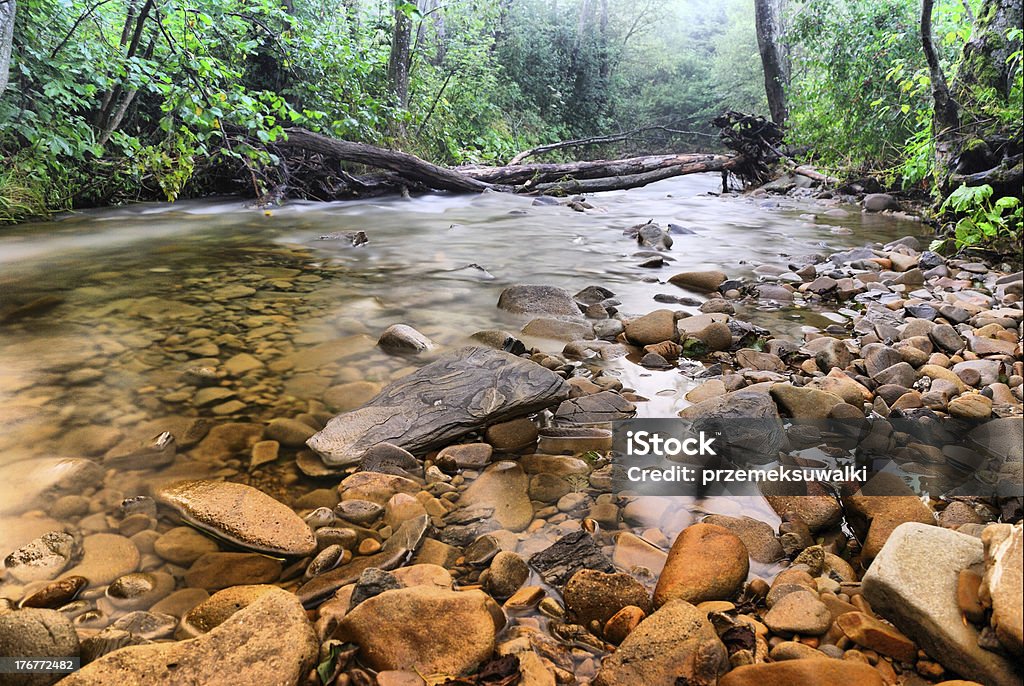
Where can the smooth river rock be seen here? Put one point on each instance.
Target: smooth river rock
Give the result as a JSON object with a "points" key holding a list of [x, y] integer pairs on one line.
{"points": [[240, 514], [706, 562], [27, 484], [427, 629], [270, 642], [458, 393]]}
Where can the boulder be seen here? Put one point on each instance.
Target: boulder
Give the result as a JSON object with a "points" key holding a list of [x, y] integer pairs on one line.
{"points": [[596, 596], [539, 300], [36, 633], [913, 583], [705, 281], [1001, 586], [820, 672]]}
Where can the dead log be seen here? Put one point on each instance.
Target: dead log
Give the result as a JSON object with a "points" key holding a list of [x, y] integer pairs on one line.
{"points": [[711, 163], [405, 165], [528, 177], [598, 140]]}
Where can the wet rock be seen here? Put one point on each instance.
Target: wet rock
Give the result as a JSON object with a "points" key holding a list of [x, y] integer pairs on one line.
{"points": [[757, 536], [1001, 586], [288, 432], [512, 436], [361, 512], [503, 486], [799, 612], [821, 672], [42, 559], [375, 487], [429, 630], [371, 583], [214, 571], [816, 511], [705, 282], [506, 574], [596, 408], [466, 456], [539, 300], [655, 327], [802, 402], [213, 610], [878, 202], [706, 562], [35, 633], [676, 644], [56, 593], [349, 396], [240, 514], [569, 554], [865, 630], [178, 603], [139, 589], [400, 508], [106, 557], [912, 583], [880, 506], [460, 392], [389, 459], [558, 329], [183, 545], [592, 596], [970, 406], [400, 338], [269, 641], [748, 420]]}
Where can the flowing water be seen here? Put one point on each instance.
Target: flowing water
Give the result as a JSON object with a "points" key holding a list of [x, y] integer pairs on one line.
{"points": [[101, 313]]}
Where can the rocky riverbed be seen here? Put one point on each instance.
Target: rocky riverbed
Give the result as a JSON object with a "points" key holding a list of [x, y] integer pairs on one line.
{"points": [[254, 504]]}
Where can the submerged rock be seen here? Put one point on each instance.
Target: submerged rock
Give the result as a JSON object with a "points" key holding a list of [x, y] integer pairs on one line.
{"points": [[460, 392], [27, 484], [268, 642], [240, 514]]}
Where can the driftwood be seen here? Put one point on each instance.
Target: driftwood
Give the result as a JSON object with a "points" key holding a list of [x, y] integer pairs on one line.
{"points": [[598, 140]]}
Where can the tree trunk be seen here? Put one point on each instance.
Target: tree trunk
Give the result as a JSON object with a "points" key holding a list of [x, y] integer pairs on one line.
{"points": [[7, 8], [398, 61], [971, 146], [768, 19]]}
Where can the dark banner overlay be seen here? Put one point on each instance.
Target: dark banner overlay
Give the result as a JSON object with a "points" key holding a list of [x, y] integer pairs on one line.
{"points": [[876, 456]]}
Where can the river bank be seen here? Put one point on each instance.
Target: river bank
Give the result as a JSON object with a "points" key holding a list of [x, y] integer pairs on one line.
{"points": [[561, 577]]}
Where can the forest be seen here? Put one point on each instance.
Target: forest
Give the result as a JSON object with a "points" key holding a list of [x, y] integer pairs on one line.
{"points": [[107, 102]]}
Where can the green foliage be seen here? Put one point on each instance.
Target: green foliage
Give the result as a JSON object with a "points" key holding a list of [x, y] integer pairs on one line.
{"points": [[861, 96], [982, 221]]}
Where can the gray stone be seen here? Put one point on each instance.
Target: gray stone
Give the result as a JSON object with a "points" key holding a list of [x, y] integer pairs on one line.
{"points": [[596, 408], [42, 559], [448, 398], [540, 300], [913, 583], [400, 338]]}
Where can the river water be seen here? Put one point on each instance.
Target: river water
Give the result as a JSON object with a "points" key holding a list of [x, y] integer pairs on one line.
{"points": [[102, 313]]}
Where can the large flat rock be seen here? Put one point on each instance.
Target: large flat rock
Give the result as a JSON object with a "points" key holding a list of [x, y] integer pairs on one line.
{"points": [[462, 391], [268, 642], [912, 583]]}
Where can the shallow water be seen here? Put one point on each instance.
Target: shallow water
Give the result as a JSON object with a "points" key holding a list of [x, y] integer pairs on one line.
{"points": [[125, 300]]}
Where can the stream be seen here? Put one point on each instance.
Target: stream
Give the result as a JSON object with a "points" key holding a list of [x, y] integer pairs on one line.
{"points": [[112, 319]]}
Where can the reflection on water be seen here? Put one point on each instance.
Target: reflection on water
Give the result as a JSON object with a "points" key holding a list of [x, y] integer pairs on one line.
{"points": [[112, 319]]}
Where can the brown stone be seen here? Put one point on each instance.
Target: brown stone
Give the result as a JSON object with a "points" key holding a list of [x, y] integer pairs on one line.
{"points": [[706, 562], [799, 672], [865, 630]]}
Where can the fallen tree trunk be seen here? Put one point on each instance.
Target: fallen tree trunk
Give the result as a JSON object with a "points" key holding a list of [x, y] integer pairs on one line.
{"points": [[304, 151], [406, 165], [532, 176], [711, 163]]}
